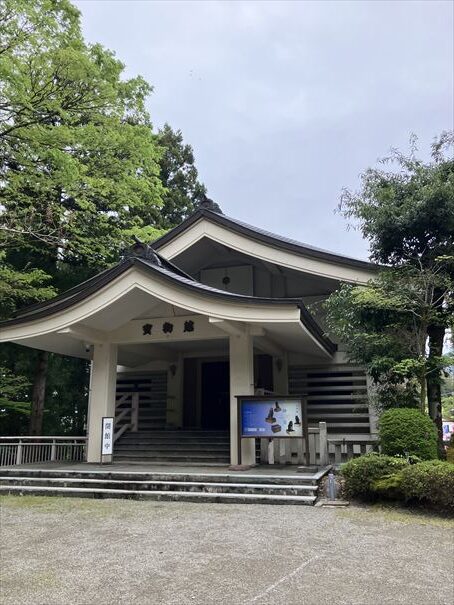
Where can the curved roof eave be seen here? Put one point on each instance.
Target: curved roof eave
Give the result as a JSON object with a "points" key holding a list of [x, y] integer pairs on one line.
{"points": [[79, 293], [271, 239]]}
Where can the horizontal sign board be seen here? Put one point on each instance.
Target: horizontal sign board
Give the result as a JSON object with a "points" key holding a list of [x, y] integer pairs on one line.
{"points": [[272, 417]]}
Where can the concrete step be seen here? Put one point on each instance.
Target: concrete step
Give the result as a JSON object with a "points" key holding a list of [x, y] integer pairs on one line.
{"points": [[171, 447], [180, 496], [182, 433], [133, 437], [140, 462], [167, 486], [161, 443], [174, 446], [194, 458], [110, 474]]}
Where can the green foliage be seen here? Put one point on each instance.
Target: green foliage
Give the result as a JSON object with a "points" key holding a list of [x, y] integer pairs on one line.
{"points": [[379, 476], [448, 407], [407, 432], [67, 396], [389, 486], [14, 402], [179, 176], [361, 473], [11, 387], [385, 323], [17, 288], [81, 173], [78, 159], [21, 287], [429, 482], [450, 450], [407, 212]]}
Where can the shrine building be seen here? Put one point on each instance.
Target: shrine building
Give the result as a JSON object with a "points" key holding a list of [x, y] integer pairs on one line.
{"points": [[213, 309]]}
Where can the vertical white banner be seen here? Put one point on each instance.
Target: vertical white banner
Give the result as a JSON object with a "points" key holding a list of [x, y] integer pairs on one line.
{"points": [[107, 436]]}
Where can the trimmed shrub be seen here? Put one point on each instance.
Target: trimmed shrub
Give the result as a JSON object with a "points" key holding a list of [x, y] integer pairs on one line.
{"points": [[431, 482], [407, 432], [361, 473], [389, 487], [450, 450]]}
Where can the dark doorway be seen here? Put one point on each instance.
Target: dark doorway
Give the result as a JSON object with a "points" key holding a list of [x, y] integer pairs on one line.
{"points": [[190, 393], [263, 372], [215, 395]]}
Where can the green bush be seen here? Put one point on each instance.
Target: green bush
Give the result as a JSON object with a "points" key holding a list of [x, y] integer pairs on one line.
{"points": [[450, 450], [430, 482], [389, 486], [361, 473], [407, 432]]}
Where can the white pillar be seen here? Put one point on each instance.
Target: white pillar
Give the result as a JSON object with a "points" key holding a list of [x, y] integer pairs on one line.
{"points": [[174, 415], [280, 375], [241, 383], [101, 399]]}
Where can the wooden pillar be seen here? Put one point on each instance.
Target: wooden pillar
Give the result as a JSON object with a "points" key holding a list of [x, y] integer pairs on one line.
{"points": [[241, 383], [101, 400]]}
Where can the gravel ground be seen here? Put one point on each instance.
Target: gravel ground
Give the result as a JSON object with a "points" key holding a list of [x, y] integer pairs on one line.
{"points": [[77, 551]]}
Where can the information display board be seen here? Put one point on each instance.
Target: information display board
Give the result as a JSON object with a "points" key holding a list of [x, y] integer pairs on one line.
{"points": [[281, 417], [271, 417]]}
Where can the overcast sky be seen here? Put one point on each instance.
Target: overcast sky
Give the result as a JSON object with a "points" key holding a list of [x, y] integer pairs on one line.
{"points": [[285, 103]]}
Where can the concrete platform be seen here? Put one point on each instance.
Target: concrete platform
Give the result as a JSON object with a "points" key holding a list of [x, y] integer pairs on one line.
{"points": [[263, 469]]}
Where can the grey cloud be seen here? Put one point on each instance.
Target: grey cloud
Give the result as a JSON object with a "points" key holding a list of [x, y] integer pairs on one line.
{"points": [[285, 103]]}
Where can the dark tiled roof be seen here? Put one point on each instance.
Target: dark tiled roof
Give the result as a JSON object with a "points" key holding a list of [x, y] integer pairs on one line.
{"points": [[271, 239], [168, 272]]}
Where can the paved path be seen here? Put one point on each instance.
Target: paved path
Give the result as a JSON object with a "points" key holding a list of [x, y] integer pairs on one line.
{"points": [[75, 551]]}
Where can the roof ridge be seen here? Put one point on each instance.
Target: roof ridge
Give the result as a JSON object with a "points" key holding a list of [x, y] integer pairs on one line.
{"points": [[260, 234]]}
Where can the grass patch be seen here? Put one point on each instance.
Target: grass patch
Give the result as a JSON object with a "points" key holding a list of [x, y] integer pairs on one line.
{"points": [[398, 514], [96, 508], [53, 504]]}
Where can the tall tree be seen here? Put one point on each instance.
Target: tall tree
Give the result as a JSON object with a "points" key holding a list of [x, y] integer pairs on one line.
{"points": [[406, 211], [384, 325], [81, 172], [79, 162], [179, 176]]}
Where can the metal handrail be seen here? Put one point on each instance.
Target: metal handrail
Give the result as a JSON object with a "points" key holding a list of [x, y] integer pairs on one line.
{"points": [[42, 437], [28, 449]]}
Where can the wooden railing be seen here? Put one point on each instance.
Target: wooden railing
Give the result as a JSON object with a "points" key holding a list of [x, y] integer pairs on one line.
{"points": [[126, 413], [345, 449], [293, 451], [322, 450], [29, 450]]}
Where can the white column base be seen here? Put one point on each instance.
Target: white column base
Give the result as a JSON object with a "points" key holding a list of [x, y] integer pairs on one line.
{"points": [[101, 400], [241, 383]]}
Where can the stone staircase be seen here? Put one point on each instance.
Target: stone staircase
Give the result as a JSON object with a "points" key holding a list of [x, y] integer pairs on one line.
{"points": [[238, 488], [181, 447]]}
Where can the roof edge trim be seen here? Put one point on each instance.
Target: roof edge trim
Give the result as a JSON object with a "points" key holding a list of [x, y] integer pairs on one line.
{"points": [[270, 239]]}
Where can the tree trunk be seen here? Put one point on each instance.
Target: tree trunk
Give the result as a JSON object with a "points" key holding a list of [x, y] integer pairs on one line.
{"points": [[423, 392], [39, 392], [436, 338]]}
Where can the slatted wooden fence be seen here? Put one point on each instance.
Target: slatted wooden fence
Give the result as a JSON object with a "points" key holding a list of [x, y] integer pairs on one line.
{"points": [[336, 394]]}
